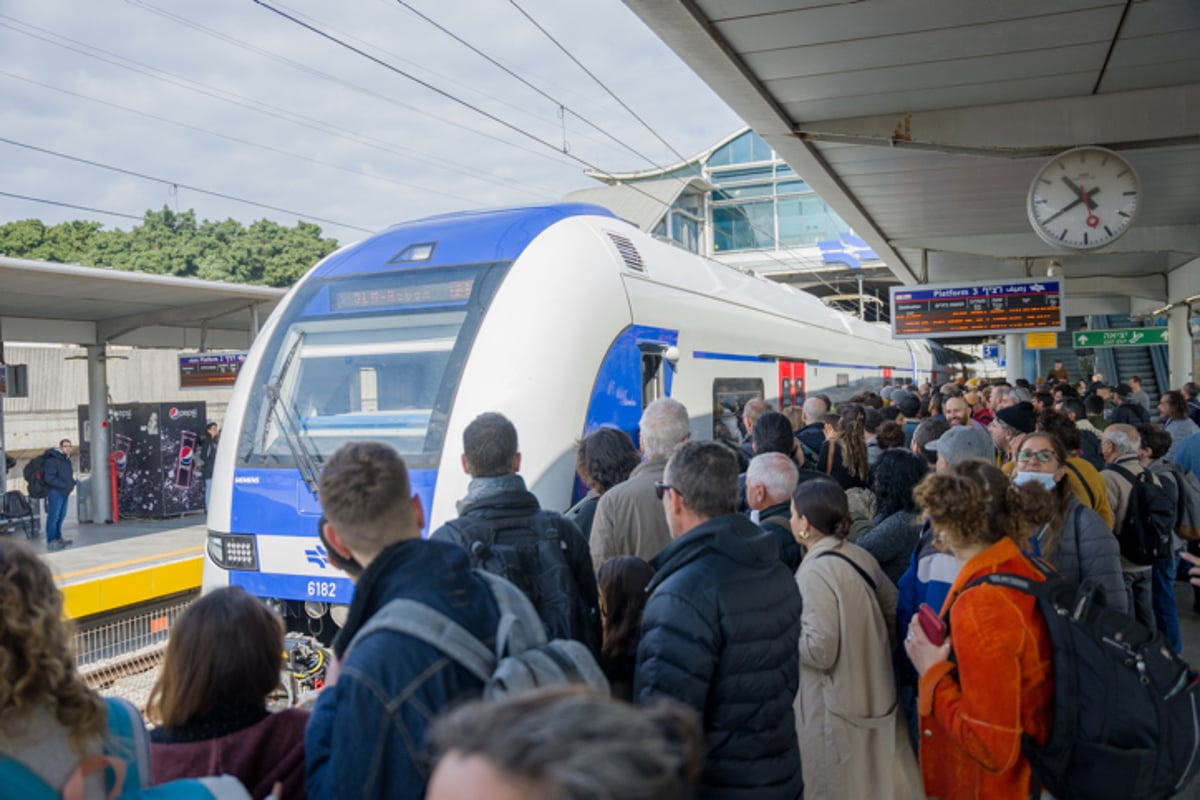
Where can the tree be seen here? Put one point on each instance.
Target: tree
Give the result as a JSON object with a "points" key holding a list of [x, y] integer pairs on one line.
{"points": [[171, 242]]}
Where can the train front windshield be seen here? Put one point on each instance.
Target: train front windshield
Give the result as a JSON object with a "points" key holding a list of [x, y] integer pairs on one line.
{"points": [[368, 357]]}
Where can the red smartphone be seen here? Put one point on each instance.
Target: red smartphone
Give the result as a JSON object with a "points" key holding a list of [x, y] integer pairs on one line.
{"points": [[932, 624]]}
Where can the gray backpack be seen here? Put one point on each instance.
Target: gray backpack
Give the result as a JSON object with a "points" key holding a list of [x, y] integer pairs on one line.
{"points": [[522, 660]]}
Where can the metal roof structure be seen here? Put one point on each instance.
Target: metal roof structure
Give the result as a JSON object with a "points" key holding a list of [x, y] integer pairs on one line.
{"points": [[924, 123], [72, 304]]}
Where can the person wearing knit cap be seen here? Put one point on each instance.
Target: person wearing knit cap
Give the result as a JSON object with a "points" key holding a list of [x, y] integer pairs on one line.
{"points": [[1009, 429]]}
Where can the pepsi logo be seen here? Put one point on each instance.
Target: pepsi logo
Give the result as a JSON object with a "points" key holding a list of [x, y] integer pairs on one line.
{"points": [[120, 459], [185, 455], [173, 413]]}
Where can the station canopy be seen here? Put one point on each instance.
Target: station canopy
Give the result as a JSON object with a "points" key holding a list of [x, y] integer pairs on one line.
{"points": [[924, 123], [71, 304]]}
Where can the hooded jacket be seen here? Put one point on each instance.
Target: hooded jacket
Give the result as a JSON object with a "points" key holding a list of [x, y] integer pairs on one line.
{"points": [[720, 634]]}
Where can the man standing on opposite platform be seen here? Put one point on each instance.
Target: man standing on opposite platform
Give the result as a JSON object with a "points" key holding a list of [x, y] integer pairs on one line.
{"points": [[720, 631], [60, 479]]}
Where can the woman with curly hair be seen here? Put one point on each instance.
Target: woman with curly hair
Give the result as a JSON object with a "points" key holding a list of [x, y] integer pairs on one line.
{"points": [[844, 458], [49, 720], [61, 736], [975, 710], [603, 459]]}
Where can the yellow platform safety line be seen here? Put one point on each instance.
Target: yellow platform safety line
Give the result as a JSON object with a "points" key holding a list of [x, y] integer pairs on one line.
{"points": [[126, 589]]}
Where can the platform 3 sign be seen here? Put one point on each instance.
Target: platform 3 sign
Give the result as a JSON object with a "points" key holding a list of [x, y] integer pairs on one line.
{"points": [[210, 370], [984, 308], [1120, 337]]}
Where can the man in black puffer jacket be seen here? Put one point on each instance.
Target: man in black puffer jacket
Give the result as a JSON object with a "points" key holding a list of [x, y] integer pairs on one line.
{"points": [[720, 631]]}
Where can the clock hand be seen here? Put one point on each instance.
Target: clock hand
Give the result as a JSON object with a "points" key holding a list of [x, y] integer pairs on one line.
{"points": [[1085, 198], [1072, 204], [1079, 191]]}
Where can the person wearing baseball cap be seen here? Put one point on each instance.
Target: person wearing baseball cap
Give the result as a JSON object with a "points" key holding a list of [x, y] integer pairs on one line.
{"points": [[962, 442], [931, 572]]}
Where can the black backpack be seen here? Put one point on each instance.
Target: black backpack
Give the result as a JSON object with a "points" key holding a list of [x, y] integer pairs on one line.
{"points": [[35, 478], [1089, 449], [1126, 707], [1145, 532], [531, 552]]}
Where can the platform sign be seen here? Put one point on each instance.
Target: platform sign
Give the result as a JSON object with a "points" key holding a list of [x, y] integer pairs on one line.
{"points": [[1041, 341], [991, 352], [210, 370], [1120, 337], [985, 308]]}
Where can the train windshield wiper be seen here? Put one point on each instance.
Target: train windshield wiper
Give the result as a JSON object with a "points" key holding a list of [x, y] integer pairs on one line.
{"points": [[290, 428]]}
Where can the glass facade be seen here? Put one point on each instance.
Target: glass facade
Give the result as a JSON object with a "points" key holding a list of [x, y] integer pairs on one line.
{"points": [[758, 203]]}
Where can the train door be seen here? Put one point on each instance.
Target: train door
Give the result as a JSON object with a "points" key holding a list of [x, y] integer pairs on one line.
{"points": [[887, 376], [657, 372], [791, 384]]}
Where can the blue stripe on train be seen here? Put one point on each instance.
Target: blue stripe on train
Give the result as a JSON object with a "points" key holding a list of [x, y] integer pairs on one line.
{"points": [[294, 587], [276, 501]]}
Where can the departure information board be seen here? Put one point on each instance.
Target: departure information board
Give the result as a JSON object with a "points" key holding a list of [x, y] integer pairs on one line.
{"points": [[210, 370], [977, 309]]}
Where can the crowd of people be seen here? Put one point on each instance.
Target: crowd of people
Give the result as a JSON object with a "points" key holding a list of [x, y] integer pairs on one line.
{"points": [[788, 611]]}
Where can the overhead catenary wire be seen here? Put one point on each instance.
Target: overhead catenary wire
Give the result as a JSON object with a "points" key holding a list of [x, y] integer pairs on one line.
{"points": [[525, 82], [309, 70], [62, 204], [180, 185], [267, 109], [595, 78], [450, 96], [228, 137]]}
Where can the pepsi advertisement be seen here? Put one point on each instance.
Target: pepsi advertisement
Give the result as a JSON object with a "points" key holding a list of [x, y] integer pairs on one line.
{"points": [[153, 447]]}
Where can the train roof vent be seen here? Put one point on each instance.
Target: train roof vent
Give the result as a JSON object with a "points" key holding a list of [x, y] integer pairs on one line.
{"points": [[629, 253]]}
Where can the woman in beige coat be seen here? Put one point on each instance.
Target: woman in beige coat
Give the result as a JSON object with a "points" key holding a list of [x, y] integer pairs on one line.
{"points": [[852, 743]]}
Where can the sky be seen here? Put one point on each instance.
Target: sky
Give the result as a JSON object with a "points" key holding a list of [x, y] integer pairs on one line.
{"points": [[231, 97]]}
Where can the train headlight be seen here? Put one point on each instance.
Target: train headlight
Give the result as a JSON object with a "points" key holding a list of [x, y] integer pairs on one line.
{"points": [[232, 551]]}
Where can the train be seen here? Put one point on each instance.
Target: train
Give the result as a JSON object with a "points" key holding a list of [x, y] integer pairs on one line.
{"points": [[562, 317]]}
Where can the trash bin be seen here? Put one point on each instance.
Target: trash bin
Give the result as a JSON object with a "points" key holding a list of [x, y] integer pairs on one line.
{"points": [[83, 499]]}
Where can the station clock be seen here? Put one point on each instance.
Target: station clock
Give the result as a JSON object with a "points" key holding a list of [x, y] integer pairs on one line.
{"points": [[1084, 198]]}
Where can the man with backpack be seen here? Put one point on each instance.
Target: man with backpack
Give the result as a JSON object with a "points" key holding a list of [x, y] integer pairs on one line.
{"points": [[1139, 505], [59, 478], [367, 731], [505, 531]]}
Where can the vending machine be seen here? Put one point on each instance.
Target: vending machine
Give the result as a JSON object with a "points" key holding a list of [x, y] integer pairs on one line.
{"points": [[153, 446]]}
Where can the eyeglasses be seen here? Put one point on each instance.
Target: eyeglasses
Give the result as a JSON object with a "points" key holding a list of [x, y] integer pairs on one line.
{"points": [[1043, 456], [661, 489]]}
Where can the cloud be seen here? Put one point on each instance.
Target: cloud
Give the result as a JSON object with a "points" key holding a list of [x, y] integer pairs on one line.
{"points": [[375, 148]]}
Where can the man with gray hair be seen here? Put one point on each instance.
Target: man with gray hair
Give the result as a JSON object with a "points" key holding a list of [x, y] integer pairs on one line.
{"points": [[629, 519], [750, 413], [1120, 445], [720, 628], [812, 435], [770, 480]]}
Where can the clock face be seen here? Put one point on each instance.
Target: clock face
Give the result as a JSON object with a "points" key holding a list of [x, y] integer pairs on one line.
{"points": [[1084, 198]]}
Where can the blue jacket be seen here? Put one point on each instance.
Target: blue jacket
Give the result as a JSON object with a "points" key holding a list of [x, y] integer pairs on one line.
{"points": [[367, 733], [928, 579], [58, 473], [720, 634]]}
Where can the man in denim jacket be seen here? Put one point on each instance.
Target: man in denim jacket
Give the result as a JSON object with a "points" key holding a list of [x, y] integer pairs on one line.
{"points": [[366, 737]]}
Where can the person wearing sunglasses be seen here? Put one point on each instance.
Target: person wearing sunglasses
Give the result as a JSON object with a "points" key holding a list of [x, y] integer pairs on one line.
{"points": [[1075, 540]]}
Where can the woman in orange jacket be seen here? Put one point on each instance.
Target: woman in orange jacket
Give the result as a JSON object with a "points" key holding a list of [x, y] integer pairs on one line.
{"points": [[975, 708]]}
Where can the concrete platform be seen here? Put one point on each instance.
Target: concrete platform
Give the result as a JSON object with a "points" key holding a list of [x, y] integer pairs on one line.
{"points": [[111, 567]]}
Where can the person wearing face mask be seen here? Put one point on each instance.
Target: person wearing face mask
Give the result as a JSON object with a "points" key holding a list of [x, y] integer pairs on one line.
{"points": [[1075, 540]]}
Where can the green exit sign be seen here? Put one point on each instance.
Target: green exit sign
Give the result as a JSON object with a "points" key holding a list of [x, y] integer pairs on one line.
{"points": [[1122, 337]]}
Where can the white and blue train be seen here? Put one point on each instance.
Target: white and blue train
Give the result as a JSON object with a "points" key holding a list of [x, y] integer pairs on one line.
{"points": [[563, 318]]}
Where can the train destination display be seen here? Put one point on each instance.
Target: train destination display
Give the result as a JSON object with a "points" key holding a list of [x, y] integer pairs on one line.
{"points": [[977, 309]]}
